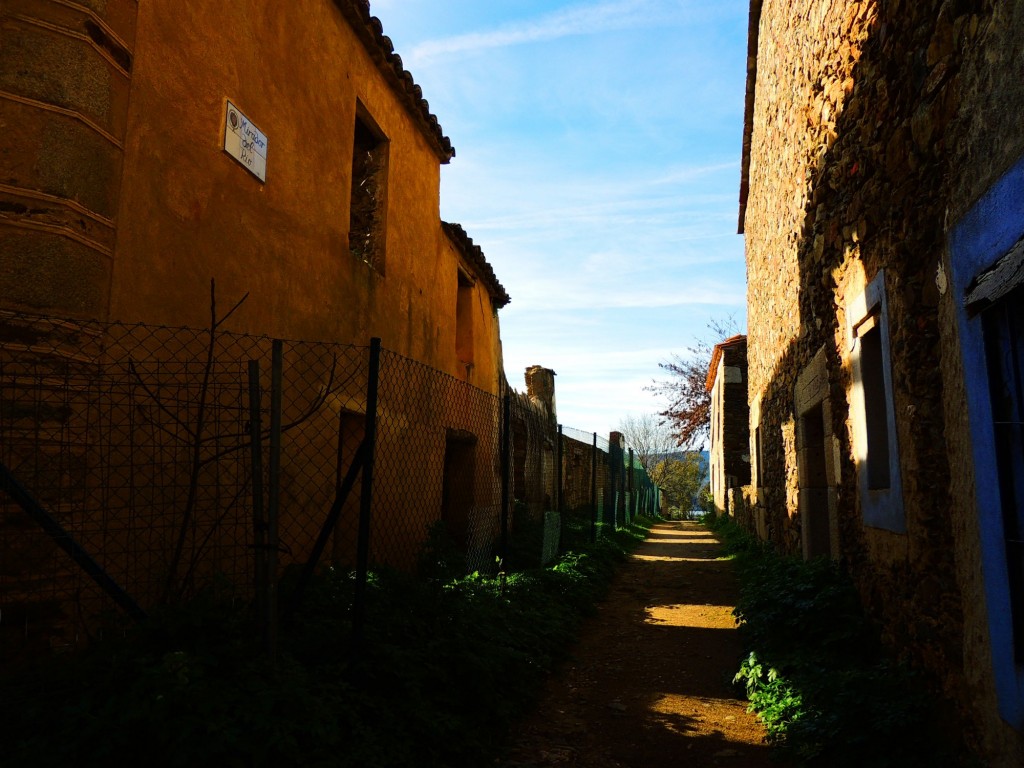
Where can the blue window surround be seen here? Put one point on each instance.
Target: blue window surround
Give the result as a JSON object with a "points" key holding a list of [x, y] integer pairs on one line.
{"points": [[882, 507], [992, 226]]}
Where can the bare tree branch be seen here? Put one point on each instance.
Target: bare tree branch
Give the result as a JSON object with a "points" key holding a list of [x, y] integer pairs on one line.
{"points": [[649, 438]]}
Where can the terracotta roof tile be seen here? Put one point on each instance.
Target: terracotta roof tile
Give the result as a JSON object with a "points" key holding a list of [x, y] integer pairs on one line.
{"points": [[716, 356], [475, 256], [371, 33]]}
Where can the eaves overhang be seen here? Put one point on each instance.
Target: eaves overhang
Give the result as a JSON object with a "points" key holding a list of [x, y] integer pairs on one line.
{"points": [[370, 32], [753, 30], [716, 357], [474, 256]]}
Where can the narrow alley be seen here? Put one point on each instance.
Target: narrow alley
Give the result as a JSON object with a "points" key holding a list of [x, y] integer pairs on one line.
{"points": [[649, 681]]}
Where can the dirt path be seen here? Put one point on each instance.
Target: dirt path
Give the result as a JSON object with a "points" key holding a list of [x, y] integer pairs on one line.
{"points": [[647, 685]]}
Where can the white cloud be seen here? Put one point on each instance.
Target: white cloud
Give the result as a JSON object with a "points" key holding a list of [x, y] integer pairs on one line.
{"points": [[599, 175], [652, 239], [577, 20]]}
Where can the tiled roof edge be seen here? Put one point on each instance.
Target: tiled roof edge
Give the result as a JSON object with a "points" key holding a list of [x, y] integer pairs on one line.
{"points": [[475, 256], [753, 31], [716, 356], [370, 32]]}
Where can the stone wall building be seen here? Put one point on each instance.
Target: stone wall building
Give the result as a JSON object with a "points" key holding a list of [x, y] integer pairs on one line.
{"points": [[729, 459], [882, 199]]}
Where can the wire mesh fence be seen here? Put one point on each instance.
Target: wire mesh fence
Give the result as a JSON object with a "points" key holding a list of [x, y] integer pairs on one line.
{"points": [[141, 465]]}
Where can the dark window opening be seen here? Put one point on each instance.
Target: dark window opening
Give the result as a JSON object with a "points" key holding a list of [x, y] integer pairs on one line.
{"points": [[813, 499], [759, 458], [876, 411], [457, 485], [1004, 348], [369, 193]]}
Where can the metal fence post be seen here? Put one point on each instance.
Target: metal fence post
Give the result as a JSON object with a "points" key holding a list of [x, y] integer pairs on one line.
{"points": [[273, 502], [558, 478], [259, 523], [614, 459], [631, 513], [10, 485], [593, 491], [506, 468], [366, 496]]}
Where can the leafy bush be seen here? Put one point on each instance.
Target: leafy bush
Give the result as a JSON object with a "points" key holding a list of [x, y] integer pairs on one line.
{"points": [[440, 559], [445, 667], [827, 690]]}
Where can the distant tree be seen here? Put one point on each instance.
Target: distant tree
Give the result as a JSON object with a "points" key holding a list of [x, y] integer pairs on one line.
{"points": [[649, 437], [681, 479], [688, 415]]}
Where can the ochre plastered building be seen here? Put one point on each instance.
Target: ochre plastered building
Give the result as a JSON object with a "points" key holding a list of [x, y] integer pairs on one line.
{"points": [[881, 199], [283, 152], [119, 201]]}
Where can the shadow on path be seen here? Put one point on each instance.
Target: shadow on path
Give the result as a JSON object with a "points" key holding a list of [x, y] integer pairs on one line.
{"points": [[648, 683]]}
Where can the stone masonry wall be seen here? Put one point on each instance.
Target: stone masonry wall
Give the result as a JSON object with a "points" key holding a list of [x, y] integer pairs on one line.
{"points": [[736, 425], [873, 123]]}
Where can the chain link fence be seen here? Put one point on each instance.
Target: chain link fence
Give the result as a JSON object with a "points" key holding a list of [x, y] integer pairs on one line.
{"points": [[142, 465]]}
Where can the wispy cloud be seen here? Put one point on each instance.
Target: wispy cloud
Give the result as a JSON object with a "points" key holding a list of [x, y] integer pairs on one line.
{"points": [[537, 195], [598, 169], [569, 22], [687, 174], [655, 237]]}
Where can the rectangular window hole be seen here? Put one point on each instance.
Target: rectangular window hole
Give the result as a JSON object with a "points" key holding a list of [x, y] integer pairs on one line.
{"points": [[876, 414], [369, 193]]}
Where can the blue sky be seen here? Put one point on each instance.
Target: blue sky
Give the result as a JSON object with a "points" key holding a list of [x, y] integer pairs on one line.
{"points": [[598, 147]]}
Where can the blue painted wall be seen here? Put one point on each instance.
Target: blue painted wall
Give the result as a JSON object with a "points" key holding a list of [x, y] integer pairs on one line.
{"points": [[981, 237]]}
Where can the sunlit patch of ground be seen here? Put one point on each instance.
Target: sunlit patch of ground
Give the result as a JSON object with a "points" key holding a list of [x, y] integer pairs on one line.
{"points": [[683, 615], [649, 683], [673, 558]]}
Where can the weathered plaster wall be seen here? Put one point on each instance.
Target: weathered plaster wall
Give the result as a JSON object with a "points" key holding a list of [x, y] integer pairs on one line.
{"points": [[118, 202], [874, 124], [716, 452], [190, 212], [64, 89], [486, 368], [77, 96]]}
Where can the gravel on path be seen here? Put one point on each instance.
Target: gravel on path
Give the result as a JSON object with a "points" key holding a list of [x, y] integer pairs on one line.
{"points": [[648, 683]]}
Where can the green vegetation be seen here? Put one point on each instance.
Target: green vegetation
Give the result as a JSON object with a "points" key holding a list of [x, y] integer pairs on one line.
{"points": [[826, 688], [446, 666], [681, 479]]}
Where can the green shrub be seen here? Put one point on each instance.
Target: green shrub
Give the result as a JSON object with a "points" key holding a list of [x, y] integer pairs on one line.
{"points": [[827, 690], [447, 663]]}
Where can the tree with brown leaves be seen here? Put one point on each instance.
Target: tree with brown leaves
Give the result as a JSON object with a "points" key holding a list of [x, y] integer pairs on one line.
{"points": [[688, 415]]}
